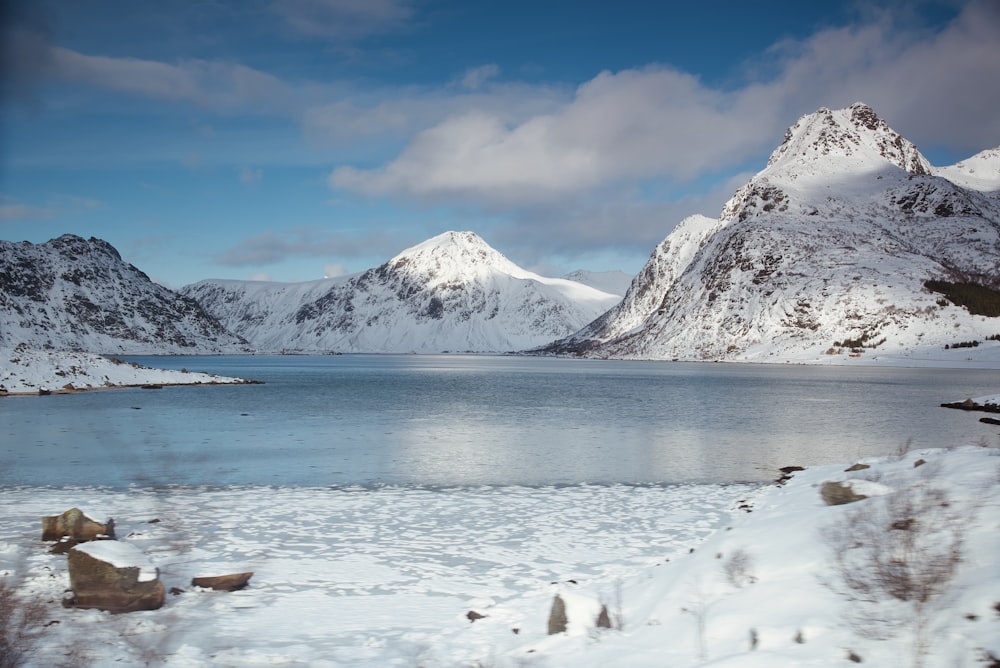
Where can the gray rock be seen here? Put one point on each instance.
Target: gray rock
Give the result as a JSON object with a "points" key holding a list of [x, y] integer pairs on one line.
{"points": [[557, 616], [839, 493], [99, 584]]}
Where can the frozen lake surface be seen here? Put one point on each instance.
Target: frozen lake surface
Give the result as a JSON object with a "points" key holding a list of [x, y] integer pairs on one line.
{"points": [[379, 499], [454, 420]]}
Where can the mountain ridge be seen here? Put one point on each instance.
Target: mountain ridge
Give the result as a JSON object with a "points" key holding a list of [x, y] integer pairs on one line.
{"points": [[78, 294], [832, 241], [452, 292]]}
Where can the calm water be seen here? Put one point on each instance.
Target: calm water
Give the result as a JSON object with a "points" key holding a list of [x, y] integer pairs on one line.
{"points": [[468, 420]]}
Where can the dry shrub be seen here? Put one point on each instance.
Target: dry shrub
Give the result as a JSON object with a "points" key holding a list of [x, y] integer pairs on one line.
{"points": [[894, 558], [738, 569], [22, 624]]}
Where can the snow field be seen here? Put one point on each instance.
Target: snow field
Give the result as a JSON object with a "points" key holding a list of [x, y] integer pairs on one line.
{"points": [[26, 370], [359, 577], [385, 576]]}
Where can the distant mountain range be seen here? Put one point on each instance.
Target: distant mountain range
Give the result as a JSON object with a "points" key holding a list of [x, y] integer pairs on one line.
{"points": [[450, 293], [849, 242]]}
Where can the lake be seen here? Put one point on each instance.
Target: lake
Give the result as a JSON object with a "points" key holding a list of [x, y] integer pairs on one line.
{"points": [[458, 420]]}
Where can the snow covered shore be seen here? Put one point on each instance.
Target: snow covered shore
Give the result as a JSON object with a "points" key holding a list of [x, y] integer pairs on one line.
{"points": [[711, 575], [26, 370]]}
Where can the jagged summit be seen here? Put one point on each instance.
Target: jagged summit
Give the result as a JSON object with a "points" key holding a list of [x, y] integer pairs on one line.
{"points": [[75, 293], [844, 151], [829, 248], [855, 138]]}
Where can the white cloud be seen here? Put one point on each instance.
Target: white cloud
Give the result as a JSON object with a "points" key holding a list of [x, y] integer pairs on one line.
{"points": [[475, 77], [332, 270], [627, 125], [658, 123], [271, 247], [345, 19], [211, 84], [397, 115]]}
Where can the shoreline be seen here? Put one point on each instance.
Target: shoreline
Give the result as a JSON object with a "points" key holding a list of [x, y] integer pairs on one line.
{"points": [[43, 392]]}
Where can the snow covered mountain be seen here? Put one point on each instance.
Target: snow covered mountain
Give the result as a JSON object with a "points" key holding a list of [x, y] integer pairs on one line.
{"points": [[72, 293], [450, 293], [826, 252]]}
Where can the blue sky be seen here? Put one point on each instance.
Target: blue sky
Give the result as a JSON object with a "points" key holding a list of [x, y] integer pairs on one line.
{"points": [[292, 139]]}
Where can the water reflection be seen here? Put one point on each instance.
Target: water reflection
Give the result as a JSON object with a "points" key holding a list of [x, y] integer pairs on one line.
{"points": [[457, 420]]}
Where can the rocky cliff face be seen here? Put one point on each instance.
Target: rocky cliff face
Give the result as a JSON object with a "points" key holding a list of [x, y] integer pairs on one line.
{"points": [[78, 294], [451, 293], [831, 244]]}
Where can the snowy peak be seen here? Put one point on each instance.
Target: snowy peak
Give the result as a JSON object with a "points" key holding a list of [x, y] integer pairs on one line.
{"points": [[450, 293], [981, 172], [841, 152], [78, 294], [856, 137], [452, 255], [828, 249]]}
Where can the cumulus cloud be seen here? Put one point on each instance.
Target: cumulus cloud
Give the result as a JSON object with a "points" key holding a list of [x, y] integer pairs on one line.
{"points": [[345, 19], [632, 124], [397, 115], [617, 220], [661, 123]]}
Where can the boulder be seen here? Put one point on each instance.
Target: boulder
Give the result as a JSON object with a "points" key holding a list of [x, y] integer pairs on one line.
{"points": [[114, 576], [839, 493], [230, 582], [75, 524], [603, 618], [557, 616]]}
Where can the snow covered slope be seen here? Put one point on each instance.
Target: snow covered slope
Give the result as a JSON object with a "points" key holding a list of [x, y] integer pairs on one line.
{"points": [[77, 294], [450, 293], [825, 253], [25, 370]]}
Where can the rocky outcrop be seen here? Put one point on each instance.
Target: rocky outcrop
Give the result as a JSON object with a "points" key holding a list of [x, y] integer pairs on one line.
{"points": [[825, 252], [72, 293], [230, 582], [839, 494], [113, 576], [557, 616], [76, 526]]}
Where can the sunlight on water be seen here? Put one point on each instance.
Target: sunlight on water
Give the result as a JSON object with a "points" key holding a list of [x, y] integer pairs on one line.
{"points": [[470, 420]]}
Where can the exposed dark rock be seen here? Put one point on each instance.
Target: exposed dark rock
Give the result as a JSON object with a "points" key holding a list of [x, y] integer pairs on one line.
{"points": [[472, 615], [230, 582], [603, 618], [557, 616], [857, 467], [99, 584], [839, 493], [76, 525]]}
